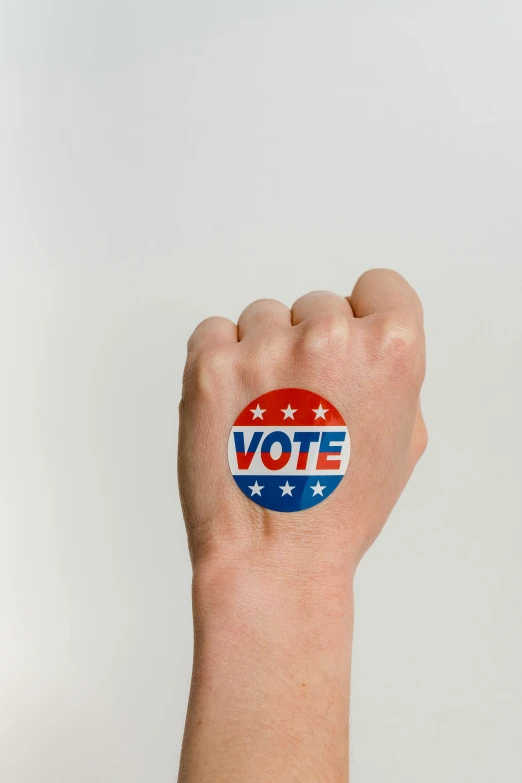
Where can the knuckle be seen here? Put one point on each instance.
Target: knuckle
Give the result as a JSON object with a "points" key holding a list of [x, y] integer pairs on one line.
{"points": [[209, 370], [263, 304], [400, 337], [327, 330], [266, 302], [383, 272], [400, 348], [312, 296], [207, 326]]}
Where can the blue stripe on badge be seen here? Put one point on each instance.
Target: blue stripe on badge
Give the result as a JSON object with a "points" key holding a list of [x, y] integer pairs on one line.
{"points": [[287, 493]]}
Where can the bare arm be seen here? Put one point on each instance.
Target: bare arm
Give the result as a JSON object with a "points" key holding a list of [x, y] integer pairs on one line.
{"points": [[272, 591]]}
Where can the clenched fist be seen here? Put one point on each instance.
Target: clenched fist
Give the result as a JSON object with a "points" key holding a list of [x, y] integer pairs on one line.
{"points": [[364, 353], [272, 586]]}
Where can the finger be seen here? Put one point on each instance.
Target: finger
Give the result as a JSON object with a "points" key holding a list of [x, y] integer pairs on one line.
{"points": [[319, 303], [383, 291], [263, 316], [212, 332]]}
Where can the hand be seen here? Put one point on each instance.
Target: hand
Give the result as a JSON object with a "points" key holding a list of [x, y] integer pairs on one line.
{"points": [[365, 354], [273, 591]]}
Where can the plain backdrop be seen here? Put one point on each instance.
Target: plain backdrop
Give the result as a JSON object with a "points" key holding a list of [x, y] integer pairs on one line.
{"points": [[164, 161]]}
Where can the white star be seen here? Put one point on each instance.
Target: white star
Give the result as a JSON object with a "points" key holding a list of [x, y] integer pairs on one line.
{"points": [[318, 489], [320, 411], [256, 489], [289, 412], [258, 412], [287, 490]]}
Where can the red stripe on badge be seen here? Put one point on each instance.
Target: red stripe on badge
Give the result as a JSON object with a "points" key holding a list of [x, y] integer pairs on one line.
{"points": [[290, 407], [244, 460], [328, 460], [275, 463]]}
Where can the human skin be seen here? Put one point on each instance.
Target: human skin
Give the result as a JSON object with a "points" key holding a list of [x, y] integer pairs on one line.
{"points": [[272, 591]]}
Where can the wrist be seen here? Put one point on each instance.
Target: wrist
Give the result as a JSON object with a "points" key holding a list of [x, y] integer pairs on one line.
{"points": [[273, 611], [272, 656], [309, 582]]}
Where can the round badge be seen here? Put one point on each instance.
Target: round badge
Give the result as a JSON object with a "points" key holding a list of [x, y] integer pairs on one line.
{"points": [[288, 449]]}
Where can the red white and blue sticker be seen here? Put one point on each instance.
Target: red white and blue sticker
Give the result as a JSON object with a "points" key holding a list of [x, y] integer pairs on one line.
{"points": [[289, 449]]}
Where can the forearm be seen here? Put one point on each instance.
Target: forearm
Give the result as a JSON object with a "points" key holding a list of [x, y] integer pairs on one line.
{"points": [[270, 690], [281, 411]]}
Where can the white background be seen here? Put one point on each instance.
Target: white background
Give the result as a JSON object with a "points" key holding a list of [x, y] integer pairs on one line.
{"points": [[164, 161]]}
